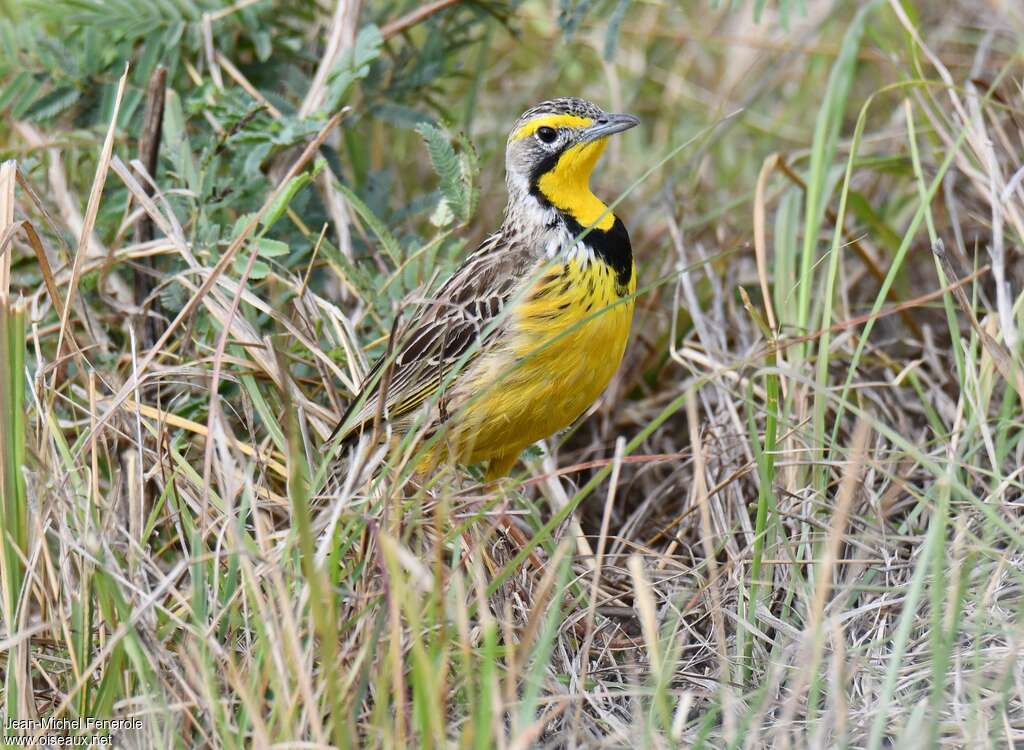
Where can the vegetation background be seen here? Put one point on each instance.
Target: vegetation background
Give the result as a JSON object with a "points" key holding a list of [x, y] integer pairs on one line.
{"points": [[794, 519]]}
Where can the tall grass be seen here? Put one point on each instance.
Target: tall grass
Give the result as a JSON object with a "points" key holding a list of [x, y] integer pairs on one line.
{"points": [[14, 510]]}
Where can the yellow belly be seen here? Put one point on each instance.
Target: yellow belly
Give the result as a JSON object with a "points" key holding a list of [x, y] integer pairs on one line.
{"points": [[562, 347]]}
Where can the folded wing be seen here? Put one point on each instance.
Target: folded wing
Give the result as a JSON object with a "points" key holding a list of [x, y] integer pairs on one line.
{"points": [[464, 316]]}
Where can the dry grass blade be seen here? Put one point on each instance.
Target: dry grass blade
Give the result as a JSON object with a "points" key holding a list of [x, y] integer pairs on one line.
{"points": [[149, 151], [414, 17], [760, 240], [173, 420], [700, 499], [7, 173], [1005, 362], [95, 193]]}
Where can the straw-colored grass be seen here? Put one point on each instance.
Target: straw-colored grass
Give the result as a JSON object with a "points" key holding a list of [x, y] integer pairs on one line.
{"points": [[793, 520]]}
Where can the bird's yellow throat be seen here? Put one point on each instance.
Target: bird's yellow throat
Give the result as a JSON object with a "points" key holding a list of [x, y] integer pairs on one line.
{"points": [[567, 185]]}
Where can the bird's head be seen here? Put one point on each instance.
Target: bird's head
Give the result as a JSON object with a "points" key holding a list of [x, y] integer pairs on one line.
{"points": [[551, 153]]}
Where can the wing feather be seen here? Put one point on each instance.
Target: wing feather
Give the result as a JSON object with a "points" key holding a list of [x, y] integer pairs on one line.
{"points": [[446, 327]]}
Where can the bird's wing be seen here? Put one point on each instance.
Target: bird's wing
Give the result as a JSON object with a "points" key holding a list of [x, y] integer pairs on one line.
{"points": [[446, 326]]}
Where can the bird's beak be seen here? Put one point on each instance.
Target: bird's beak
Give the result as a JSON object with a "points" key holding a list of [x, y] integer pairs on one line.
{"points": [[607, 125]]}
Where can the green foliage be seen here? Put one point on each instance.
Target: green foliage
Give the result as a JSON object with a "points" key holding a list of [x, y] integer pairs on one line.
{"points": [[119, 19], [611, 37], [456, 170], [222, 148], [14, 506], [571, 13], [352, 65]]}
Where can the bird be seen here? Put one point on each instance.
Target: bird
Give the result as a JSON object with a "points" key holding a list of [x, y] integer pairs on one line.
{"points": [[528, 331]]}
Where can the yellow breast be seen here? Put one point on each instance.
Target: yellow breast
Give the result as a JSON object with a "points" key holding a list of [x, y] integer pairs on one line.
{"points": [[564, 343]]}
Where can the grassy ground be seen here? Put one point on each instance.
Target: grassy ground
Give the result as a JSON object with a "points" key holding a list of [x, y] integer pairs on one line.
{"points": [[793, 520]]}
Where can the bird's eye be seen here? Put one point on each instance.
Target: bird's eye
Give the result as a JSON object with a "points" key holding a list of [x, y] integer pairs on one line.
{"points": [[546, 134]]}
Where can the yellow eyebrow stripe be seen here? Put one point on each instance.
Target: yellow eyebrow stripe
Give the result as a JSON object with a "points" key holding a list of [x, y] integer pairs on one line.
{"points": [[551, 121]]}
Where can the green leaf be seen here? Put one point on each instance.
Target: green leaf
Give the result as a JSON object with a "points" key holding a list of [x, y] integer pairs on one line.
{"points": [[442, 215], [26, 97], [280, 204], [445, 162], [261, 41], [259, 268], [611, 36], [456, 170], [16, 88], [52, 104], [269, 248], [352, 66], [176, 141], [241, 223]]}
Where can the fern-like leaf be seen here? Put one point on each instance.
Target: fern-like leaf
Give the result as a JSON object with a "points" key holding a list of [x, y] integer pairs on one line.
{"points": [[456, 169]]}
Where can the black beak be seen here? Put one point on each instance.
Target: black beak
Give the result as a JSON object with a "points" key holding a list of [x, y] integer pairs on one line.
{"points": [[608, 124]]}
